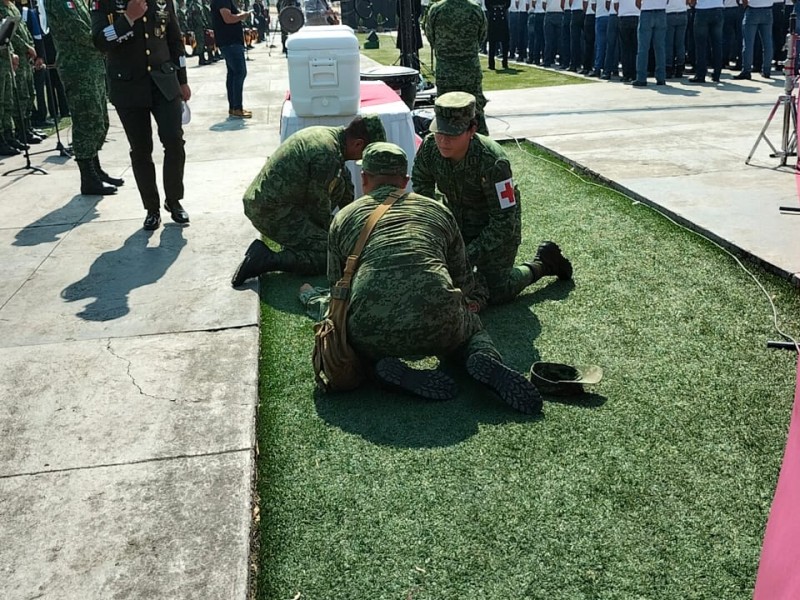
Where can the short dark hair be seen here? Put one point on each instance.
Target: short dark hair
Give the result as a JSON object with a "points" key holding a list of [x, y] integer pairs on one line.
{"points": [[357, 129]]}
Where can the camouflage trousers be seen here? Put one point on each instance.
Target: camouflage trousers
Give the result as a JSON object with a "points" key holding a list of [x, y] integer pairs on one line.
{"points": [[25, 90], [456, 336], [463, 76], [86, 94], [6, 100], [497, 280], [301, 231]]}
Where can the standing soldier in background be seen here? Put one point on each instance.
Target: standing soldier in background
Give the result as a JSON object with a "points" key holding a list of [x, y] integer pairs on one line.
{"points": [[147, 75], [83, 74], [195, 21], [8, 144], [23, 46], [456, 29]]}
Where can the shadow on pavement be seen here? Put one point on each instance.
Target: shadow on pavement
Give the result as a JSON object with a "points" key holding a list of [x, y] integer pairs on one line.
{"points": [[114, 274], [47, 228]]}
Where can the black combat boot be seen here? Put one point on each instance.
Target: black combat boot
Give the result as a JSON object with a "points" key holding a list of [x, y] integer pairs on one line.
{"points": [[258, 259], [10, 140], [431, 384], [550, 261], [513, 388], [115, 181], [6, 149], [91, 184]]}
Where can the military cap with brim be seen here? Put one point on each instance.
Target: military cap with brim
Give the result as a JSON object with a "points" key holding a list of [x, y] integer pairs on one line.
{"points": [[558, 379], [454, 112], [375, 129], [384, 158]]}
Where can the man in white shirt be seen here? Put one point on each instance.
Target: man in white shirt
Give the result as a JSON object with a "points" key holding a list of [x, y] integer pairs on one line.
{"points": [[757, 19], [652, 29], [535, 32], [553, 19], [518, 29]]}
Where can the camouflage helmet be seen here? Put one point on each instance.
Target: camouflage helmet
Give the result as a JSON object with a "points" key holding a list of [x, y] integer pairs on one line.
{"points": [[375, 129], [455, 111], [384, 158]]}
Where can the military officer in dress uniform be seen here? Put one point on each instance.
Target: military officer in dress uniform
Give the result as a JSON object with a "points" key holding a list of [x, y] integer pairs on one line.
{"points": [[147, 75]]}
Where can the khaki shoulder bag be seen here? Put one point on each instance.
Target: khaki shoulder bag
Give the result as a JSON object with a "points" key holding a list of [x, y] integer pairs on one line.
{"points": [[337, 367]]}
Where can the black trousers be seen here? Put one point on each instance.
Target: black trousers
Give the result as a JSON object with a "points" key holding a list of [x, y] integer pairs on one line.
{"points": [[138, 129]]}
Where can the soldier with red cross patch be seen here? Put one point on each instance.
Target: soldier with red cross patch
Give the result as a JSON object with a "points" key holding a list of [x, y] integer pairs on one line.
{"points": [[474, 174]]}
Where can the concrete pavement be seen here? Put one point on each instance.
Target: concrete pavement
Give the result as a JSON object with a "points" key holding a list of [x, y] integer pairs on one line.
{"points": [[128, 366]]}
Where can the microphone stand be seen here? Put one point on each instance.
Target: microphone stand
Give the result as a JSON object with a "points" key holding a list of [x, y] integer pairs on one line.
{"points": [[62, 150]]}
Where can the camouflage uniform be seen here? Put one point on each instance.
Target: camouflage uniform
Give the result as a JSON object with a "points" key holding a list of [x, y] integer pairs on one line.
{"points": [[82, 70], [291, 199], [406, 298], [6, 93], [481, 193], [456, 29], [196, 23], [20, 42]]}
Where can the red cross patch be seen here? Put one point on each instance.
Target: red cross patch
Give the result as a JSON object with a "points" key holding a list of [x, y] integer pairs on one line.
{"points": [[505, 193]]}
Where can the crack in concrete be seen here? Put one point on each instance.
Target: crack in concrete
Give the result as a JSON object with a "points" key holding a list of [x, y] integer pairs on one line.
{"points": [[129, 364]]}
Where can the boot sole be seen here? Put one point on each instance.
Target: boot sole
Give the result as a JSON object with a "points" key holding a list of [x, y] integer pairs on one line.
{"points": [[428, 384], [512, 387]]}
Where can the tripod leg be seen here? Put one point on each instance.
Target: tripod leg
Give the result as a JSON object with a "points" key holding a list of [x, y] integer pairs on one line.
{"points": [[762, 135]]}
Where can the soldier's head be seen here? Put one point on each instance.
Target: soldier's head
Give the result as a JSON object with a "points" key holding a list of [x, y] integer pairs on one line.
{"points": [[383, 164], [454, 124], [360, 133]]}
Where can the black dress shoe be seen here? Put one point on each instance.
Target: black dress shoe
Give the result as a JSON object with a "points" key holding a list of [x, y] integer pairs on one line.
{"points": [[696, 79], [176, 211], [152, 221], [743, 75]]}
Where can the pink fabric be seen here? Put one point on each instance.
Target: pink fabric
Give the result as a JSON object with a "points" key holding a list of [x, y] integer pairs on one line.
{"points": [[779, 569]]}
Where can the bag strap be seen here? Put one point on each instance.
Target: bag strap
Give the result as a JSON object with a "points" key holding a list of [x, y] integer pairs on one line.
{"points": [[352, 260]]}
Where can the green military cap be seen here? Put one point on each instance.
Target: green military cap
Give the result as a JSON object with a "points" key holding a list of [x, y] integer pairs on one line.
{"points": [[375, 128], [454, 113], [558, 379], [384, 158]]}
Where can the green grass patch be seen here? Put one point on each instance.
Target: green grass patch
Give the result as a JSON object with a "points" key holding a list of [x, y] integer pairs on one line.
{"points": [[517, 76], [656, 485]]}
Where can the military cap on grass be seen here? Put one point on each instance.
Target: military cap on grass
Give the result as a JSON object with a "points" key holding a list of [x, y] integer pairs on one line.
{"points": [[375, 128], [384, 158], [454, 113], [558, 379]]}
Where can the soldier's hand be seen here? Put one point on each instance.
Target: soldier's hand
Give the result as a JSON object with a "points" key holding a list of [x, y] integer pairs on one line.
{"points": [[14, 61], [31, 52], [136, 9], [38, 63], [186, 92]]}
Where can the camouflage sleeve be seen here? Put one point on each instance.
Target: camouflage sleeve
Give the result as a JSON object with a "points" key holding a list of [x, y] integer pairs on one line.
{"points": [[107, 31], [344, 191], [175, 40], [457, 264], [430, 27], [69, 24], [335, 257], [423, 181], [502, 220]]}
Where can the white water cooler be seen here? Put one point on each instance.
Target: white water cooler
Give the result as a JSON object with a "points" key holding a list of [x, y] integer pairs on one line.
{"points": [[324, 71]]}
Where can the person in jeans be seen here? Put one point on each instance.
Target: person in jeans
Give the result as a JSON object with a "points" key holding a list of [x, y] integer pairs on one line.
{"points": [[611, 64], [628, 14], [227, 22], [757, 18], [652, 29], [675, 47], [708, 21], [535, 32], [600, 30], [588, 38], [553, 18]]}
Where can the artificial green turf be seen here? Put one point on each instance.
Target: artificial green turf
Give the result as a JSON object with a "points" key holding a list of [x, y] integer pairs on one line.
{"points": [[517, 76], [657, 485]]}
